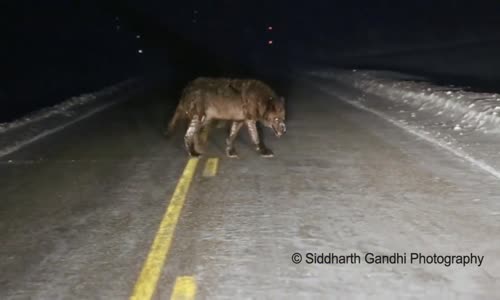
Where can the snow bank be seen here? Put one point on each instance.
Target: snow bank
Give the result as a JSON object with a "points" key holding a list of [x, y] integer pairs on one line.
{"points": [[480, 111], [16, 134], [462, 122], [66, 108]]}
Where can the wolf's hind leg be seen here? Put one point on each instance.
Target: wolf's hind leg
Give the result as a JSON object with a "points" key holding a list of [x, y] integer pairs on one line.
{"points": [[259, 145], [235, 128], [192, 135], [201, 139]]}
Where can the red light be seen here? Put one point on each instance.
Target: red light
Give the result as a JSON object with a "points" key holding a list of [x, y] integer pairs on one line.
{"points": [[270, 42], [270, 28]]}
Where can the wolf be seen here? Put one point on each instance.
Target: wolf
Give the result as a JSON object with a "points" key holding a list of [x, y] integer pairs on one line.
{"points": [[241, 101]]}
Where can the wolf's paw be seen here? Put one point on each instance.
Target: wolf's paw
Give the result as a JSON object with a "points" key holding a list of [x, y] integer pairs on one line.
{"points": [[266, 152], [194, 154], [231, 153]]}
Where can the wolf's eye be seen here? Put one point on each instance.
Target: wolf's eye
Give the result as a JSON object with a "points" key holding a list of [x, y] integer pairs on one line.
{"points": [[276, 119]]}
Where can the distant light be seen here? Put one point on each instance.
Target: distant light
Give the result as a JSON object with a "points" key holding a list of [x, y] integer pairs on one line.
{"points": [[195, 11], [270, 42], [270, 28], [139, 51], [138, 36], [118, 27], [117, 18]]}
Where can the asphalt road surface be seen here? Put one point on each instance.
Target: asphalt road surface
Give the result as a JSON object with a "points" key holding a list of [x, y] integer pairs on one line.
{"points": [[83, 211]]}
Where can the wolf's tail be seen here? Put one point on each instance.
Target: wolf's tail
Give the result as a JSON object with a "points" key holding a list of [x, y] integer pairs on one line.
{"points": [[173, 122]]}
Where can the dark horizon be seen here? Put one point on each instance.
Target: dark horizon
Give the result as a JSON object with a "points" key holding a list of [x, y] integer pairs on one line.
{"points": [[61, 49]]}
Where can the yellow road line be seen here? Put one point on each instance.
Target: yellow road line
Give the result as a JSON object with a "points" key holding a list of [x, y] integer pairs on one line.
{"points": [[184, 288], [211, 167], [151, 271]]}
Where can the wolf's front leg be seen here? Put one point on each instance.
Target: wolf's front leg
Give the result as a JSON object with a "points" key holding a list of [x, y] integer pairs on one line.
{"points": [[191, 136], [235, 128], [259, 145]]}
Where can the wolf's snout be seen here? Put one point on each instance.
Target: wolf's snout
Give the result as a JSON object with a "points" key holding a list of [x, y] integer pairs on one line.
{"points": [[280, 129]]}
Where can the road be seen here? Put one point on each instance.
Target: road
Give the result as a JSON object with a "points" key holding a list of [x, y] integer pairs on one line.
{"points": [[80, 210]]}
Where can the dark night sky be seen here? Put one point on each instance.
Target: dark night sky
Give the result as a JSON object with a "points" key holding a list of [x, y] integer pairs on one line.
{"points": [[60, 48], [239, 26]]}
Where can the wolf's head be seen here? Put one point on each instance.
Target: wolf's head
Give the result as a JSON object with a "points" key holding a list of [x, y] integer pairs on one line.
{"points": [[274, 116]]}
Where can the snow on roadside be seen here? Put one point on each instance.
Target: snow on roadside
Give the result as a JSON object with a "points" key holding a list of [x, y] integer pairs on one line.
{"points": [[464, 123], [66, 108], [472, 110], [27, 129]]}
